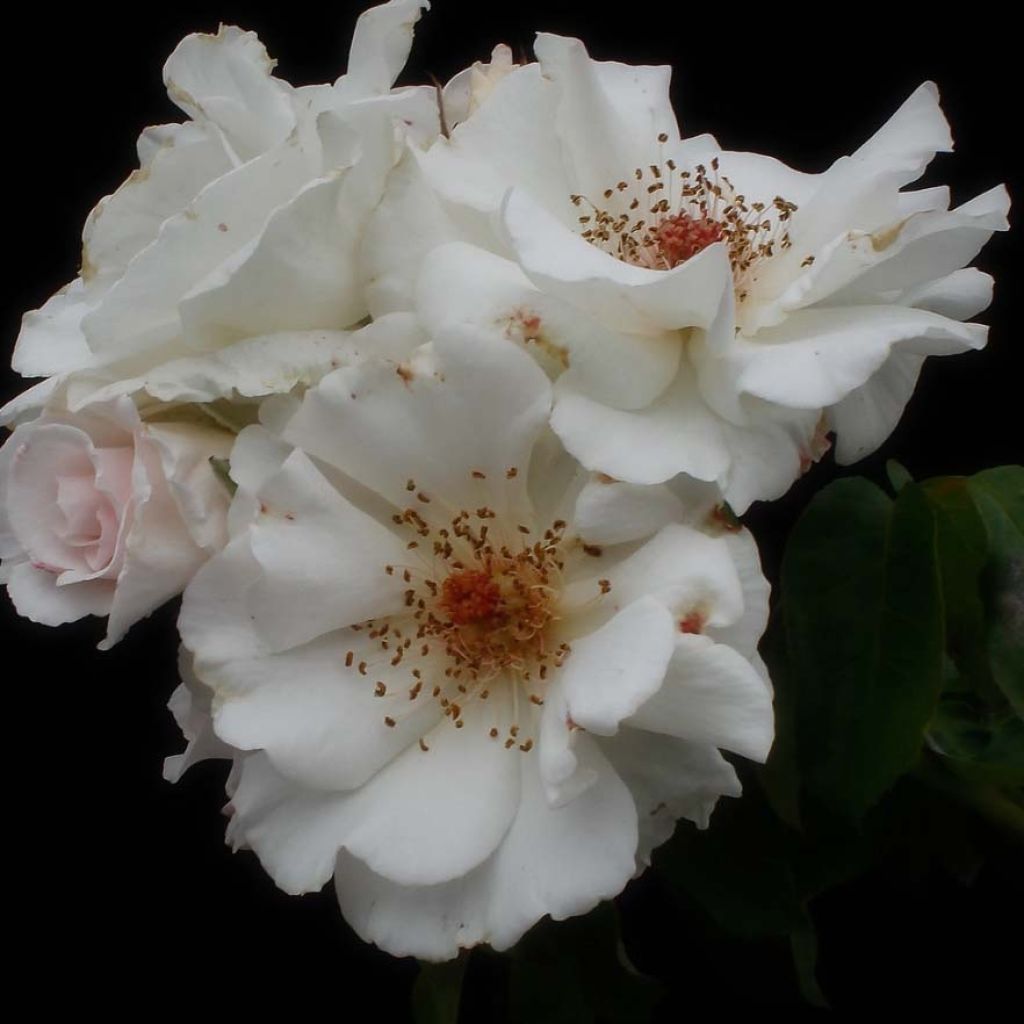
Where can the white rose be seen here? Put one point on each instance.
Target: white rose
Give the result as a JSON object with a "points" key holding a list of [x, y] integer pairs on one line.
{"points": [[470, 681], [704, 312], [101, 514], [226, 262]]}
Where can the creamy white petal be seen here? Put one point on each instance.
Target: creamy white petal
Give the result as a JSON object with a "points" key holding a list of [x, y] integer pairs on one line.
{"points": [[31, 402], [462, 284], [215, 622], [298, 275], [36, 596], [225, 80], [745, 633], [669, 779], [121, 225], [869, 414], [913, 251], [511, 140], [140, 311], [683, 568], [160, 557], [185, 451], [380, 47], [476, 404], [428, 817], [960, 296], [609, 115], [406, 225], [820, 355], [318, 721], [677, 433], [711, 695], [626, 297], [561, 774], [322, 559], [619, 666], [51, 339], [558, 861], [611, 512], [256, 456], [768, 455]]}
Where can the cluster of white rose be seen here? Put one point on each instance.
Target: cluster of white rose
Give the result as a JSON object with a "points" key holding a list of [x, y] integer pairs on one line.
{"points": [[436, 405]]}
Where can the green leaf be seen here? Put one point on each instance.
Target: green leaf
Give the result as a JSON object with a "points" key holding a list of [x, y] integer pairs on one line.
{"points": [[437, 990], [981, 744], [864, 631], [780, 776], [999, 495], [963, 546], [803, 944], [222, 471], [577, 971], [899, 476], [740, 869]]}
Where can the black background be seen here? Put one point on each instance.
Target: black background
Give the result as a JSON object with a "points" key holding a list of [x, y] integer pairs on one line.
{"points": [[121, 892]]}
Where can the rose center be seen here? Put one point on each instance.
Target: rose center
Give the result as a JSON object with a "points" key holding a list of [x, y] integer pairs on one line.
{"points": [[481, 598], [469, 596], [663, 215], [680, 237]]}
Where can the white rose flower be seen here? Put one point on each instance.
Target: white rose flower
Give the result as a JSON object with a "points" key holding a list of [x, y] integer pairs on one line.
{"points": [[101, 514], [470, 681], [238, 231], [704, 312]]}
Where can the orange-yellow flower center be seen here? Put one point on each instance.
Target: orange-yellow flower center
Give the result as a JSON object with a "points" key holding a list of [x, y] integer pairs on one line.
{"points": [[664, 215], [481, 610], [469, 596]]}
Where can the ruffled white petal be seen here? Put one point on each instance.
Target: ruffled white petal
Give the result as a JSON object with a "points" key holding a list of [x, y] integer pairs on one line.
{"points": [[624, 296], [619, 666], [819, 356], [476, 404], [462, 284], [712, 695], [224, 80], [36, 595], [322, 559], [669, 779], [426, 818], [558, 861], [318, 720], [380, 47]]}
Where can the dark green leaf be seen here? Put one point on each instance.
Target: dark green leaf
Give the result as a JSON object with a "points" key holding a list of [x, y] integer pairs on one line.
{"points": [[803, 943], [981, 744], [740, 869], [864, 632], [898, 475], [780, 777], [999, 495], [436, 993], [222, 471], [963, 552], [576, 972]]}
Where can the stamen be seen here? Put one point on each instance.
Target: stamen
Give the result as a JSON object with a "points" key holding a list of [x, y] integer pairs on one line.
{"points": [[666, 216]]}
